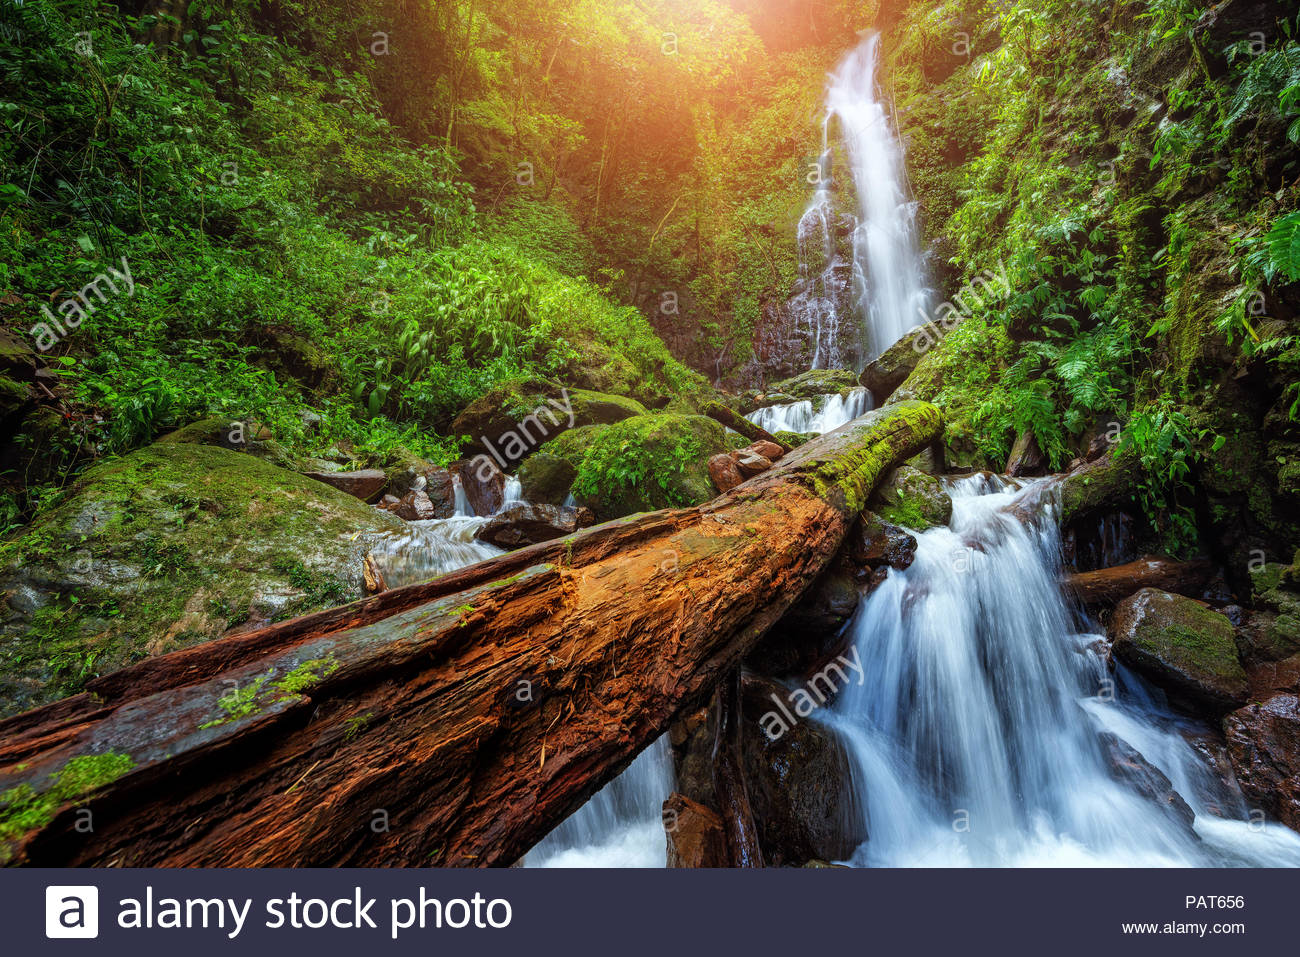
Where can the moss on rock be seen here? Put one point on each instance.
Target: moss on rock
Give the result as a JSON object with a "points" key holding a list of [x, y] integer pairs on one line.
{"points": [[912, 499], [1181, 644], [816, 383], [648, 462], [167, 547]]}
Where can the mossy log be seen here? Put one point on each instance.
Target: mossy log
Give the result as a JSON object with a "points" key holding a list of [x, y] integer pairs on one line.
{"points": [[738, 423], [453, 722]]}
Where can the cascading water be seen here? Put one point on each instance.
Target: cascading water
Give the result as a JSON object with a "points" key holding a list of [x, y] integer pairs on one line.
{"points": [[622, 825], [804, 417], [887, 273], [436, 546], [979, 728]]}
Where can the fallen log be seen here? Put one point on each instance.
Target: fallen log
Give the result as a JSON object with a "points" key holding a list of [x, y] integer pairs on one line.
{"points": [[738, 423], [1109, 586], [453, 722]]}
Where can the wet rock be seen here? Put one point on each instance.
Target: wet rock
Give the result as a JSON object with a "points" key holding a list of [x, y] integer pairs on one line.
{"points": [[810, 632], [799, 785], [724, 472], [816, 383], [1130, 768], [364, 484], [1264, 745], [172, 545], [874, 543], [1181, 645], [910, 498], [891, 368], [751, 463], [695, 834], [546, 478], [408, 472], [527, 523], [388, 502], [415, 506], [484, 484], [692, 741]]}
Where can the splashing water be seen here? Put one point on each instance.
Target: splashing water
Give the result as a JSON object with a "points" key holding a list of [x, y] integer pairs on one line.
{"points": [[802, 416], [889, 273], [622, 825], [977, 730], [427, 549]]}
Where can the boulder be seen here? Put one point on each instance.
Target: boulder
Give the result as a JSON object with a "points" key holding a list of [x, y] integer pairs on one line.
{"points": [[768, 450], [484, 484], [874, 543], [1264, 745], [364, 484], [527, 523], [799, 785], [407, 472], [695, 834], [813, 384], [724, 472], [1181, 645], [750, 463], [515, 419], [415, 506], [164, 548], [891, 368], [645, 463], [546, 478], [910, 498]]}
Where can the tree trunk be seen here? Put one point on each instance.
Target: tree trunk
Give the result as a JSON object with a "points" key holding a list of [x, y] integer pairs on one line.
{"points": [[739, 423], [729, 779], [1108, 586], [453, 722]]}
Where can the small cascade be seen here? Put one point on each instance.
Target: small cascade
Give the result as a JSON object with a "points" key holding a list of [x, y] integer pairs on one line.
{"points": [[804, 417], [514, 491], [985, 727], [622, 825], [823, 300]]}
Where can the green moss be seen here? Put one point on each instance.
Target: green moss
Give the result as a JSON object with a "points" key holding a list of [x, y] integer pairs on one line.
{"points": [[24, 809], [850, 476], [240, 702], [170, 546], [649, 462]]}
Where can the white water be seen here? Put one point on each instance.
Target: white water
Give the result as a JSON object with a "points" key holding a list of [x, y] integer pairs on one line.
{"points": [[889, 275], [975, 729], [427, 549], [622, 825], [802, 417]]}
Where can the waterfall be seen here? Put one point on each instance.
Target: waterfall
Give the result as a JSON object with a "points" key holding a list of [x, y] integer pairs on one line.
{"points": [[803, 417], [979, 731], [622, 825], [887, 275]]}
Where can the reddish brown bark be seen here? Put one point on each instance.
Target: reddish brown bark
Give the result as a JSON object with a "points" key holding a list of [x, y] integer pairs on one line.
{"points": [[1108, 586], [457, 721]]}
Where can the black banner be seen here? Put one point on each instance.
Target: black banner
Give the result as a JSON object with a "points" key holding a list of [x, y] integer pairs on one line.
{"points": [[489, 912]]}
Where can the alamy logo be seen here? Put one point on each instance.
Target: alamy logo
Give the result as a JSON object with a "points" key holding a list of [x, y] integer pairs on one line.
{"points": [[71, 911]]}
